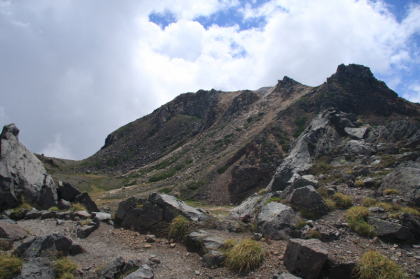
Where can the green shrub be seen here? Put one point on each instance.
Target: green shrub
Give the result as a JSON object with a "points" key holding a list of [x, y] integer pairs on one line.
{"points": [[78, 207], [245, 256], [54, 208], [391, 192], [301, 223], [368, 202], [9, 266], [356, 217], [64, 268], [313, 234], [342, 201], [372, 265], [360, 183], [228, 245], [179, 227]]}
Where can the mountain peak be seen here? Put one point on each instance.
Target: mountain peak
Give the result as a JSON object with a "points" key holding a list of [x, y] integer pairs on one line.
{"points": [[353, 71]]}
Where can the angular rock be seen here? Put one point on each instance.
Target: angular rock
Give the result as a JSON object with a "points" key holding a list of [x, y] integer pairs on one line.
{"points": [[101, 216], [22, 175], [213, 259], [48, 214], [246, 207], [64, 205], [359, 147], [12, 231], [144, 272], [85, 231], [276, 220], [4, 218], [76, 249], [33, 214], [391, 230], [405, 178], [308, 199], [64, 215], [37, 268], [68, 192], [81, 214], [112, 269], [213, 242], [357, 133], [85, 199], [412, 222], [335, 269], [44, 246], [305, 258]]}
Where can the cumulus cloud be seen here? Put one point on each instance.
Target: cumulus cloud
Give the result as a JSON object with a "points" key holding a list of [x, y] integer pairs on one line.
{"points": [[82, 69]]}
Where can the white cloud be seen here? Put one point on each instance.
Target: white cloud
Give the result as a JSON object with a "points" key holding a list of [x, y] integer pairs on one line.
{"points": [[81, 69], [57, 149], [413, 93]]}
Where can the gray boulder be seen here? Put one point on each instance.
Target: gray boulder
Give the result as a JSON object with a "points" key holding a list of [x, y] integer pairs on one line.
{"points": [[359, 147], [213, 259], [391, 230], [85, 231], [357, 133], [44, 246], [22, 175], [102, 216], [85, 199], [64, 205], [37, 268], [33, 214], [155, 213], [405, 178], [276, 220], [112, 269], [308, 199], [12, 231], [67, 191], [335, 269], [144, 272], [246, 207], [305, 258]]}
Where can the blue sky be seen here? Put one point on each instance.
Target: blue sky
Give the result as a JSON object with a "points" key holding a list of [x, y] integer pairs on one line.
{"points": [[74, 71]]}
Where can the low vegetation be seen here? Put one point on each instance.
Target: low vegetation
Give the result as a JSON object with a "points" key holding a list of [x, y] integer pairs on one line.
{"points": [[179, 227], [313, 234], [64, 268], [391, 192], [372, 265], [359, 183], [245, 256], [342, 201], [356, 217], [273, 199], [9, 266], [78, 207]]}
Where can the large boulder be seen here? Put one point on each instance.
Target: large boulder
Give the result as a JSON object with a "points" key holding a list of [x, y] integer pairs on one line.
{"points": [[37, 268], [318, 139], [308, 200], [12, 231], [45, 246], [305, 257], [85, 199], [246, 207], [276, 220], [155, 213], [22, 175], [406, 179], [68, 192], [391, 230]]}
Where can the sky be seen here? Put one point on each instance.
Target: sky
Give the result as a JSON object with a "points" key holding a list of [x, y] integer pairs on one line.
{"points": [[73, 71]]}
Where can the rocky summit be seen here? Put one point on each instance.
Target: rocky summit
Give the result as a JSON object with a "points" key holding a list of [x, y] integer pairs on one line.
{"points": [[288, 181]]}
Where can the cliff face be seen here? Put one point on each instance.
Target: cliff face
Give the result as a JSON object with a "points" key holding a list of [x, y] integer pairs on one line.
{"points": [[223, 146]]}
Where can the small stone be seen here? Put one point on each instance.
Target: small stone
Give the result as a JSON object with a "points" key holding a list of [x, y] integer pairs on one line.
{"points": [[197, 272], [147, 246], [59, 222], [172, 245]]}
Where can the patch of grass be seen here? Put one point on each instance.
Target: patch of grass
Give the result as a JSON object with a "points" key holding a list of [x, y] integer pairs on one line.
{"points": [[331, 205], [359, 183], [249, 120], [228, 245], [179, 227], [9, 266], [300, 123], [356, 217], [195, 185], [301, 223], [222, 169], [245, 256], [5, 245], [273, 199], [64, 268], [313, 234], [85, 222], [53, 208], [391, 192], [372, 265], [162, 176], [165, 190], [369, 202], [342, 201], [78, 207], [18, 209]]}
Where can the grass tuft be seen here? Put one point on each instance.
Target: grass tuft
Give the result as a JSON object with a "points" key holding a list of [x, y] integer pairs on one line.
{"points": [[245, 256], [85, 222], [64, 268], [330, 204], [53, 208], [273, 199], [356, 217], [342, 201], [9, 266], [228, 245], [360, 183], [391, 192], [369, 202], [313, 234], [300, 224], [372, 265], [78, 207], [179, 227]]}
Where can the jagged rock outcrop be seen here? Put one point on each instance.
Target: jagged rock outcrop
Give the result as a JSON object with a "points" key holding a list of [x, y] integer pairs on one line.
{"points": [[37, 268], [405, 178], [241, 102], [22, 175], [155, 213]]}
